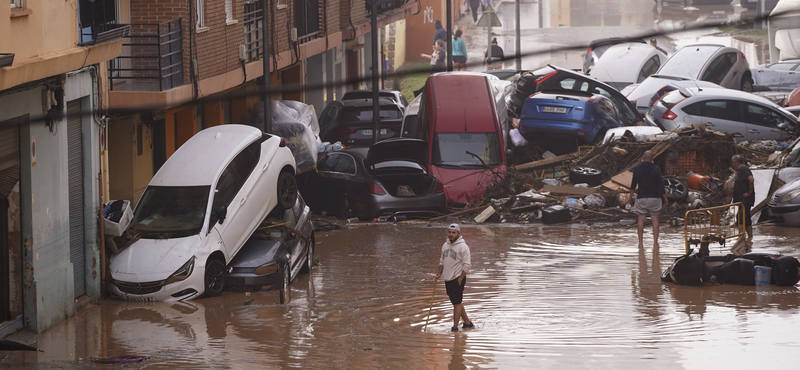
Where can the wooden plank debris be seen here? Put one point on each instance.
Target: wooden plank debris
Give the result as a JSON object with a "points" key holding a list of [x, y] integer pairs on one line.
{"points": [[621, 181], [545, 162], [459, 213], [483, 216], [569, 190]]}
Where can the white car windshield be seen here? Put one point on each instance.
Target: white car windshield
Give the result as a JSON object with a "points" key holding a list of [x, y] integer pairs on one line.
{"points": [[171, 211], [688, 61], [451, 150]]}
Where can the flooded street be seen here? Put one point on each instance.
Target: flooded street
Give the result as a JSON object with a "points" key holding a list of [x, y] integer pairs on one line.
{"points": [[570, 297]]}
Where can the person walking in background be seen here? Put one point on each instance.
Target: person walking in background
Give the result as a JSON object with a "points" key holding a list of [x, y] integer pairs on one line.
{"points": [[438, 57], [459, 52], [494, 60], [473, 7], [647, 177], [744, 191], [439, 33], [654, 43], [454, 264]]}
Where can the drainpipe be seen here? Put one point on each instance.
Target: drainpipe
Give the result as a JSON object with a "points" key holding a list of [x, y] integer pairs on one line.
{"points": [[100, 178]]}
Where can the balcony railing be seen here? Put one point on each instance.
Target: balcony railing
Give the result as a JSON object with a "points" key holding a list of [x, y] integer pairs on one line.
{"points": [[307, 19], [151, 60]]}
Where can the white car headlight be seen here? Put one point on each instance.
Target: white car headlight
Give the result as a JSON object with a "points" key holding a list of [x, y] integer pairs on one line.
{"points": [[790, 195], [182, 273]]}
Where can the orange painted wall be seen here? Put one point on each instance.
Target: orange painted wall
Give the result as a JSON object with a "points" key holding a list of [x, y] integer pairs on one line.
{"points": [[419, 27]]}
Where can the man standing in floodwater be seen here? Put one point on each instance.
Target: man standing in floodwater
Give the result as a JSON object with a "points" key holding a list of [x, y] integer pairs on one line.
{"points": [[744, 191], [647, 176], [454, 264]]}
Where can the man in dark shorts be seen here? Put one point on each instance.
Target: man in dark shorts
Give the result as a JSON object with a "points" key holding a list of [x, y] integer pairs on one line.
{"points": [[647, 176], [454, 264], [744, 191]]}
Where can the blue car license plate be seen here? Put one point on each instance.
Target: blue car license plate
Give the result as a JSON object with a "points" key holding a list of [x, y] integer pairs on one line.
{"points": [[547, 109]]}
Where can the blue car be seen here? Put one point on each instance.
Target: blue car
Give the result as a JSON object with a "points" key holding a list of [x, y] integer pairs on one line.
{"points": [[560, 120]]}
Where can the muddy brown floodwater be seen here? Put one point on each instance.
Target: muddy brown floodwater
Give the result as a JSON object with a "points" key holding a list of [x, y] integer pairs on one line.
{"points": [[542, 297]]}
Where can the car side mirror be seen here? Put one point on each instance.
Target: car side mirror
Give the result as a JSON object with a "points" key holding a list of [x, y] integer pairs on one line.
{"points": [[783, 126], [219, 215]]}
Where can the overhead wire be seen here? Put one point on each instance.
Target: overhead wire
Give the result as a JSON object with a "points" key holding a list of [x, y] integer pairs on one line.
{"points": [[319, 85]]}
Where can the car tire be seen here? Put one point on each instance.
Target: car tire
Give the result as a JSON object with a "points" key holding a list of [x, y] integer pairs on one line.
{"points": [[309, 265], [214, 278], [747, 84], [677, 190], [287, 190], [284, 287], [587, 175]]}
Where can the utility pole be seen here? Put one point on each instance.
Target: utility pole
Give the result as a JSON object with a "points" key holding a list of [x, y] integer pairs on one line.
{"points": [[376, 109], [265, 86], [518, 56], [449, 40]]}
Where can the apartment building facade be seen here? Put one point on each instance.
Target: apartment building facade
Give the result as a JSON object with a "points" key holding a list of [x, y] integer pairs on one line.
{"points": [[51, 145]]}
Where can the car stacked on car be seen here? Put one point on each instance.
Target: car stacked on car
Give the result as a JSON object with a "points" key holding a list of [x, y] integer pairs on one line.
{"points": [[199, 210]]}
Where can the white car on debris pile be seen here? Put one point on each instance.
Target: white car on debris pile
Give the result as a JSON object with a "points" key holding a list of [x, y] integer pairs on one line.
{"points": [[198, 211]]}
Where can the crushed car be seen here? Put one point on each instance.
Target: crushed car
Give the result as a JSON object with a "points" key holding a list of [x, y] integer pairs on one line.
{"points": [[281, 248]]}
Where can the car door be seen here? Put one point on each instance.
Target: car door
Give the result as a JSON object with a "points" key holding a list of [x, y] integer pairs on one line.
{"points": [[231, 197], [317, 185], [345, 179], [724, 116], [764, 123], [778, 76], [719, 71], [626, 112]]}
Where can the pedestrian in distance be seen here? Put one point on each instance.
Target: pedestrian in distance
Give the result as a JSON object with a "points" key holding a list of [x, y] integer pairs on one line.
{"points": [[439, 33], [493, 61], [744, 191], [654, 43], [473, 7], [650, 192], [438, 57], [459, 52], [454, 264]]}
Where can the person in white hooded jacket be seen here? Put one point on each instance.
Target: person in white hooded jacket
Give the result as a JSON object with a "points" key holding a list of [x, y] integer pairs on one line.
{"points": [[454, 264]]}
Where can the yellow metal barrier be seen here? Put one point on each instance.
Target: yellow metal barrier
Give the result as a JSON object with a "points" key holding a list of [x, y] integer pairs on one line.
{"points": [[715, 224]]}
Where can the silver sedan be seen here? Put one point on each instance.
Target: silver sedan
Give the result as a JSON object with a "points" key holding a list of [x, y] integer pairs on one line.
{"points": [[747, 116]]}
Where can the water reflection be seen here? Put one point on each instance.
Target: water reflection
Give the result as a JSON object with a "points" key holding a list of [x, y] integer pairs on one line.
{"points": [[567, 296]]}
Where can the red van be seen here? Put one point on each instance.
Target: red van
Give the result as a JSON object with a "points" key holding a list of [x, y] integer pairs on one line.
{"points": [[458, 119]]}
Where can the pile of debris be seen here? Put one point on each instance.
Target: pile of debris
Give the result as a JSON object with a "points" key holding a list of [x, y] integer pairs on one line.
{"points": [[592, 184]]}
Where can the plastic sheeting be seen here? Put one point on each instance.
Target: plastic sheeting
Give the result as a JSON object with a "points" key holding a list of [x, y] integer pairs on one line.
{"points": [[297, 123]]}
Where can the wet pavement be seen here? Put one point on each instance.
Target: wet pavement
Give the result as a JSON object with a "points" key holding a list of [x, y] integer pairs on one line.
{"points": [[571, 296]]}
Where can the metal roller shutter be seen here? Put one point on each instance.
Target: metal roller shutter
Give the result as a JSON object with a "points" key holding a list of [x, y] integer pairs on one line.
{"points": [[9, 159], [76, 204]]}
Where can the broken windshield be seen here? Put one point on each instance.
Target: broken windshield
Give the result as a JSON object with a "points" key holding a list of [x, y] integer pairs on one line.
{"points": [[452, 150], [171, 211]]}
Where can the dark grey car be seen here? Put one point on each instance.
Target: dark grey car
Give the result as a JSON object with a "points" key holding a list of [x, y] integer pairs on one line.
{"points": [[280, 248], [388, 179], [350, 121]]}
